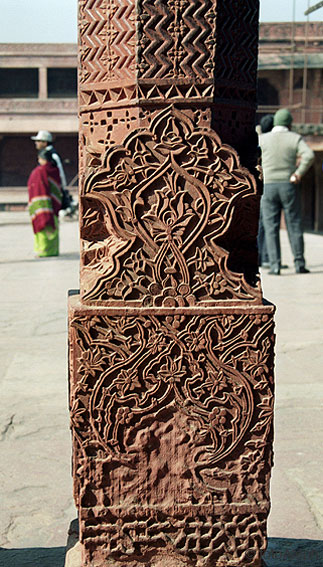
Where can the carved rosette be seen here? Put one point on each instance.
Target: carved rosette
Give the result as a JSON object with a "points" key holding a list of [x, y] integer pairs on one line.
{"points": [[171, 343]]}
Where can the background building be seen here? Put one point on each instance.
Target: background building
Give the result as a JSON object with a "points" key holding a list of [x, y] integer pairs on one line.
{"points": [[38, 84], [38, 91], [290, 75]]}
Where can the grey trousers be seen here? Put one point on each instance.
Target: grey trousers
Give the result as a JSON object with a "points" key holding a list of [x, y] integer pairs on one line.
{"points": [[286, 196]]}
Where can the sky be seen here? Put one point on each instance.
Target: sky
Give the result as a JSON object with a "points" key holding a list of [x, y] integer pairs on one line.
{"points": [[54, 21]]}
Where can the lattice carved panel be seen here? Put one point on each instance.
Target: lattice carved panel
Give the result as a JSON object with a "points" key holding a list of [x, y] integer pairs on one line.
{"points": [[184, 538]]}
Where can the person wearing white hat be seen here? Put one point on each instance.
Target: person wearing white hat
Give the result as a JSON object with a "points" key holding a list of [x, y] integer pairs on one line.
{"points": [[43, 141]]}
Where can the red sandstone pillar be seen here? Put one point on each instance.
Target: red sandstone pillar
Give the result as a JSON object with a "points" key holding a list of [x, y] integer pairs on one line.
{"points": [[171, 367]]}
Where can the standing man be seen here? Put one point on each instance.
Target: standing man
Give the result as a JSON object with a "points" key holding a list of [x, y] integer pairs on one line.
{"points": [[43, 141], [281, 149], [266, 125]]}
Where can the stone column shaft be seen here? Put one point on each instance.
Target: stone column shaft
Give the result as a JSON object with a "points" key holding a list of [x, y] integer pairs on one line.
{"points": [[171, 366]]}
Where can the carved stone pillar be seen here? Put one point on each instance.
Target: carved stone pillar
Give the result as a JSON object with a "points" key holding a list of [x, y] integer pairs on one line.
{"points": [[171, 366]]}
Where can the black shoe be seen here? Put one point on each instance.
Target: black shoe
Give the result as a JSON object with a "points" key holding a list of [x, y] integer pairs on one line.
{"points": [[274, 272], [283, 267], [302, 270]]}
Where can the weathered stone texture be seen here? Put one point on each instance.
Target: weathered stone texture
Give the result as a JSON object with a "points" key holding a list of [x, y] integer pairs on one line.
{"points": [[172, 415], [140, 56], [171, 379]]}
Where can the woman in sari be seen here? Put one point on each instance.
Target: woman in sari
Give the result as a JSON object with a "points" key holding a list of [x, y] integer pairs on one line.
{"points": [[44, 203]]}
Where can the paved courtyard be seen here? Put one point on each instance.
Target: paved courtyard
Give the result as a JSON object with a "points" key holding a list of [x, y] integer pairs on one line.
{"points": [[35, 447]]}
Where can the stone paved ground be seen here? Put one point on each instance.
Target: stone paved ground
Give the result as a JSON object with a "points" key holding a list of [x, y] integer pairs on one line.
{"points": [[36, 500], [35, 483]]}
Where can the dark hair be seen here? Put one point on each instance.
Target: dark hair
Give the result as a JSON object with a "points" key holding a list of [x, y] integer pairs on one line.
{"points": [[47, 155], [267, 123]]}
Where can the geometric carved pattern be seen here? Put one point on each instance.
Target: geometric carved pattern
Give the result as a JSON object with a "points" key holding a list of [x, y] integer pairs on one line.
{"points": [[149, 391], [207, 539], [183, 51], [99, 127], [167, 201], [123, 42], [93, 47], [107, 44], [237, 45], [176, 39], [94, 99], [176, 92], [105, 98]]}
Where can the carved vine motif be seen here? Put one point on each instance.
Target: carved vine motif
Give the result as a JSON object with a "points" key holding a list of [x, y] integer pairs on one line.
{"points": [[146, 386], [158, 217], [171, 399]]}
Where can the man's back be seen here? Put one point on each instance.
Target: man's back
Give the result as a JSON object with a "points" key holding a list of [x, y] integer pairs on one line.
{"points": [[280, 149]]}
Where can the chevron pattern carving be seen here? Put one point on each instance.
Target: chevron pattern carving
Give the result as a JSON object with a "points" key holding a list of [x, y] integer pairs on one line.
{"points": [[107, 42], [93, 46], [236, 49], [171, 343], [176, 39], [123, 38]]}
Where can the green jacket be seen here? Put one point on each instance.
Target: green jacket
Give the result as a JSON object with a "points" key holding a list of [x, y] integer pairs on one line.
{"points": [[280, 149]]}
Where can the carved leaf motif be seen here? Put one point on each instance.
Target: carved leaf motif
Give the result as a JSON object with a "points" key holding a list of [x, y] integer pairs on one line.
{"points": [[172, 360], [173, 192]]}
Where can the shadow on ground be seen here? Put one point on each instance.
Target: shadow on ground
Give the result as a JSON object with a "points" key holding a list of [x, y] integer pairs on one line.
{"points": [[285, 552], [33, 557], [281, 552]]}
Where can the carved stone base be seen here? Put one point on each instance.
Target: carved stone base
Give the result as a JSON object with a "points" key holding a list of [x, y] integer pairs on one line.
{"points": [[74, 556], [172, 427]]}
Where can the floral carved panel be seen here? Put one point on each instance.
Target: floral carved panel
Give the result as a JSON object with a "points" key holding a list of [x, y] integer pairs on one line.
{"points": [[172, 411], [167, 220]]}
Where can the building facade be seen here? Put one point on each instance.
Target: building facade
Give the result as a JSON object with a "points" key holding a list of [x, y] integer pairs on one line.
{"points": [[38, 91], [290, 75]]}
